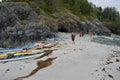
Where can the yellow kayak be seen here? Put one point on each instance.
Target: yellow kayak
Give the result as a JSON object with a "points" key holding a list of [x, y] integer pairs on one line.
{"points": [[55, 46], [21, 53], [26, 52], [4, 55]]}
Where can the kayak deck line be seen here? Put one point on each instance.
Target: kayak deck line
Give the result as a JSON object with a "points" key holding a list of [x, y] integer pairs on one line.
{"points": [[35, 53]]}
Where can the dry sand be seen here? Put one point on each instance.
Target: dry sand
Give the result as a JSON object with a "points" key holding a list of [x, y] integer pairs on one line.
{"points": [[84, 60]]}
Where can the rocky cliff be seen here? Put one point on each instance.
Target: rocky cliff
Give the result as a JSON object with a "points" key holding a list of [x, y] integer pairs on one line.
{"points": [[68, 22], [20, 24]]}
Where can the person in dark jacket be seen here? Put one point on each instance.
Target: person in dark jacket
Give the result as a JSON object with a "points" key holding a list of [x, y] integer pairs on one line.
{"points": [[73, 37]]}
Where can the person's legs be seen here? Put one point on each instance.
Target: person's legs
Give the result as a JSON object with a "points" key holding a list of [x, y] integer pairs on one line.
{"points": [[73, 40]]}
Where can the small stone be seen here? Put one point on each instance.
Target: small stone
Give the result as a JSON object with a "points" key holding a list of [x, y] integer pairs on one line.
{"points": [[103, 69], [8, 70], [117, 60], [110, 76]]}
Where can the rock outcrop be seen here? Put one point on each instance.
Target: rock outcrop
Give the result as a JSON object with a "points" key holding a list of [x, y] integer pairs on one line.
{"points": [[20, 25], [115, 28], [96, 27], [67, 22]]}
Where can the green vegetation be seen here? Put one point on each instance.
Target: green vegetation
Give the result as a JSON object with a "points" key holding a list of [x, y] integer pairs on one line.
{"points": [[81, 8]]}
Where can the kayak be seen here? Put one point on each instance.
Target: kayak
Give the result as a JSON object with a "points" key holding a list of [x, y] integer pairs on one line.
{"points": [[20, 54], [2, 56]]}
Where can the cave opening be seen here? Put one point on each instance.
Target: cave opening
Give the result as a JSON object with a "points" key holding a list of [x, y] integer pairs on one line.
{"points": [[62, 30]]}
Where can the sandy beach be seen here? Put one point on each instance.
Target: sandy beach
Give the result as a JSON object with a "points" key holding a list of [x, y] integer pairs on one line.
{"points": [[84, 60]]}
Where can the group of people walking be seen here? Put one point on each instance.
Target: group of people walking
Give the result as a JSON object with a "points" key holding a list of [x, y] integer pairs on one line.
{"points": [[81, 34]]}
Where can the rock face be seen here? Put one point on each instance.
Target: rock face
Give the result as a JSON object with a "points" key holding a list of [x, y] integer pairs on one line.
{"points": [[75, 25], [96, 27], [115, 28], [118, 30], [19, 25], [68, 22]]}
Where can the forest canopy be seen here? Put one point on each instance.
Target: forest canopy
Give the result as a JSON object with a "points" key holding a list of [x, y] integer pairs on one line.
{"points": [[81, 8]]}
